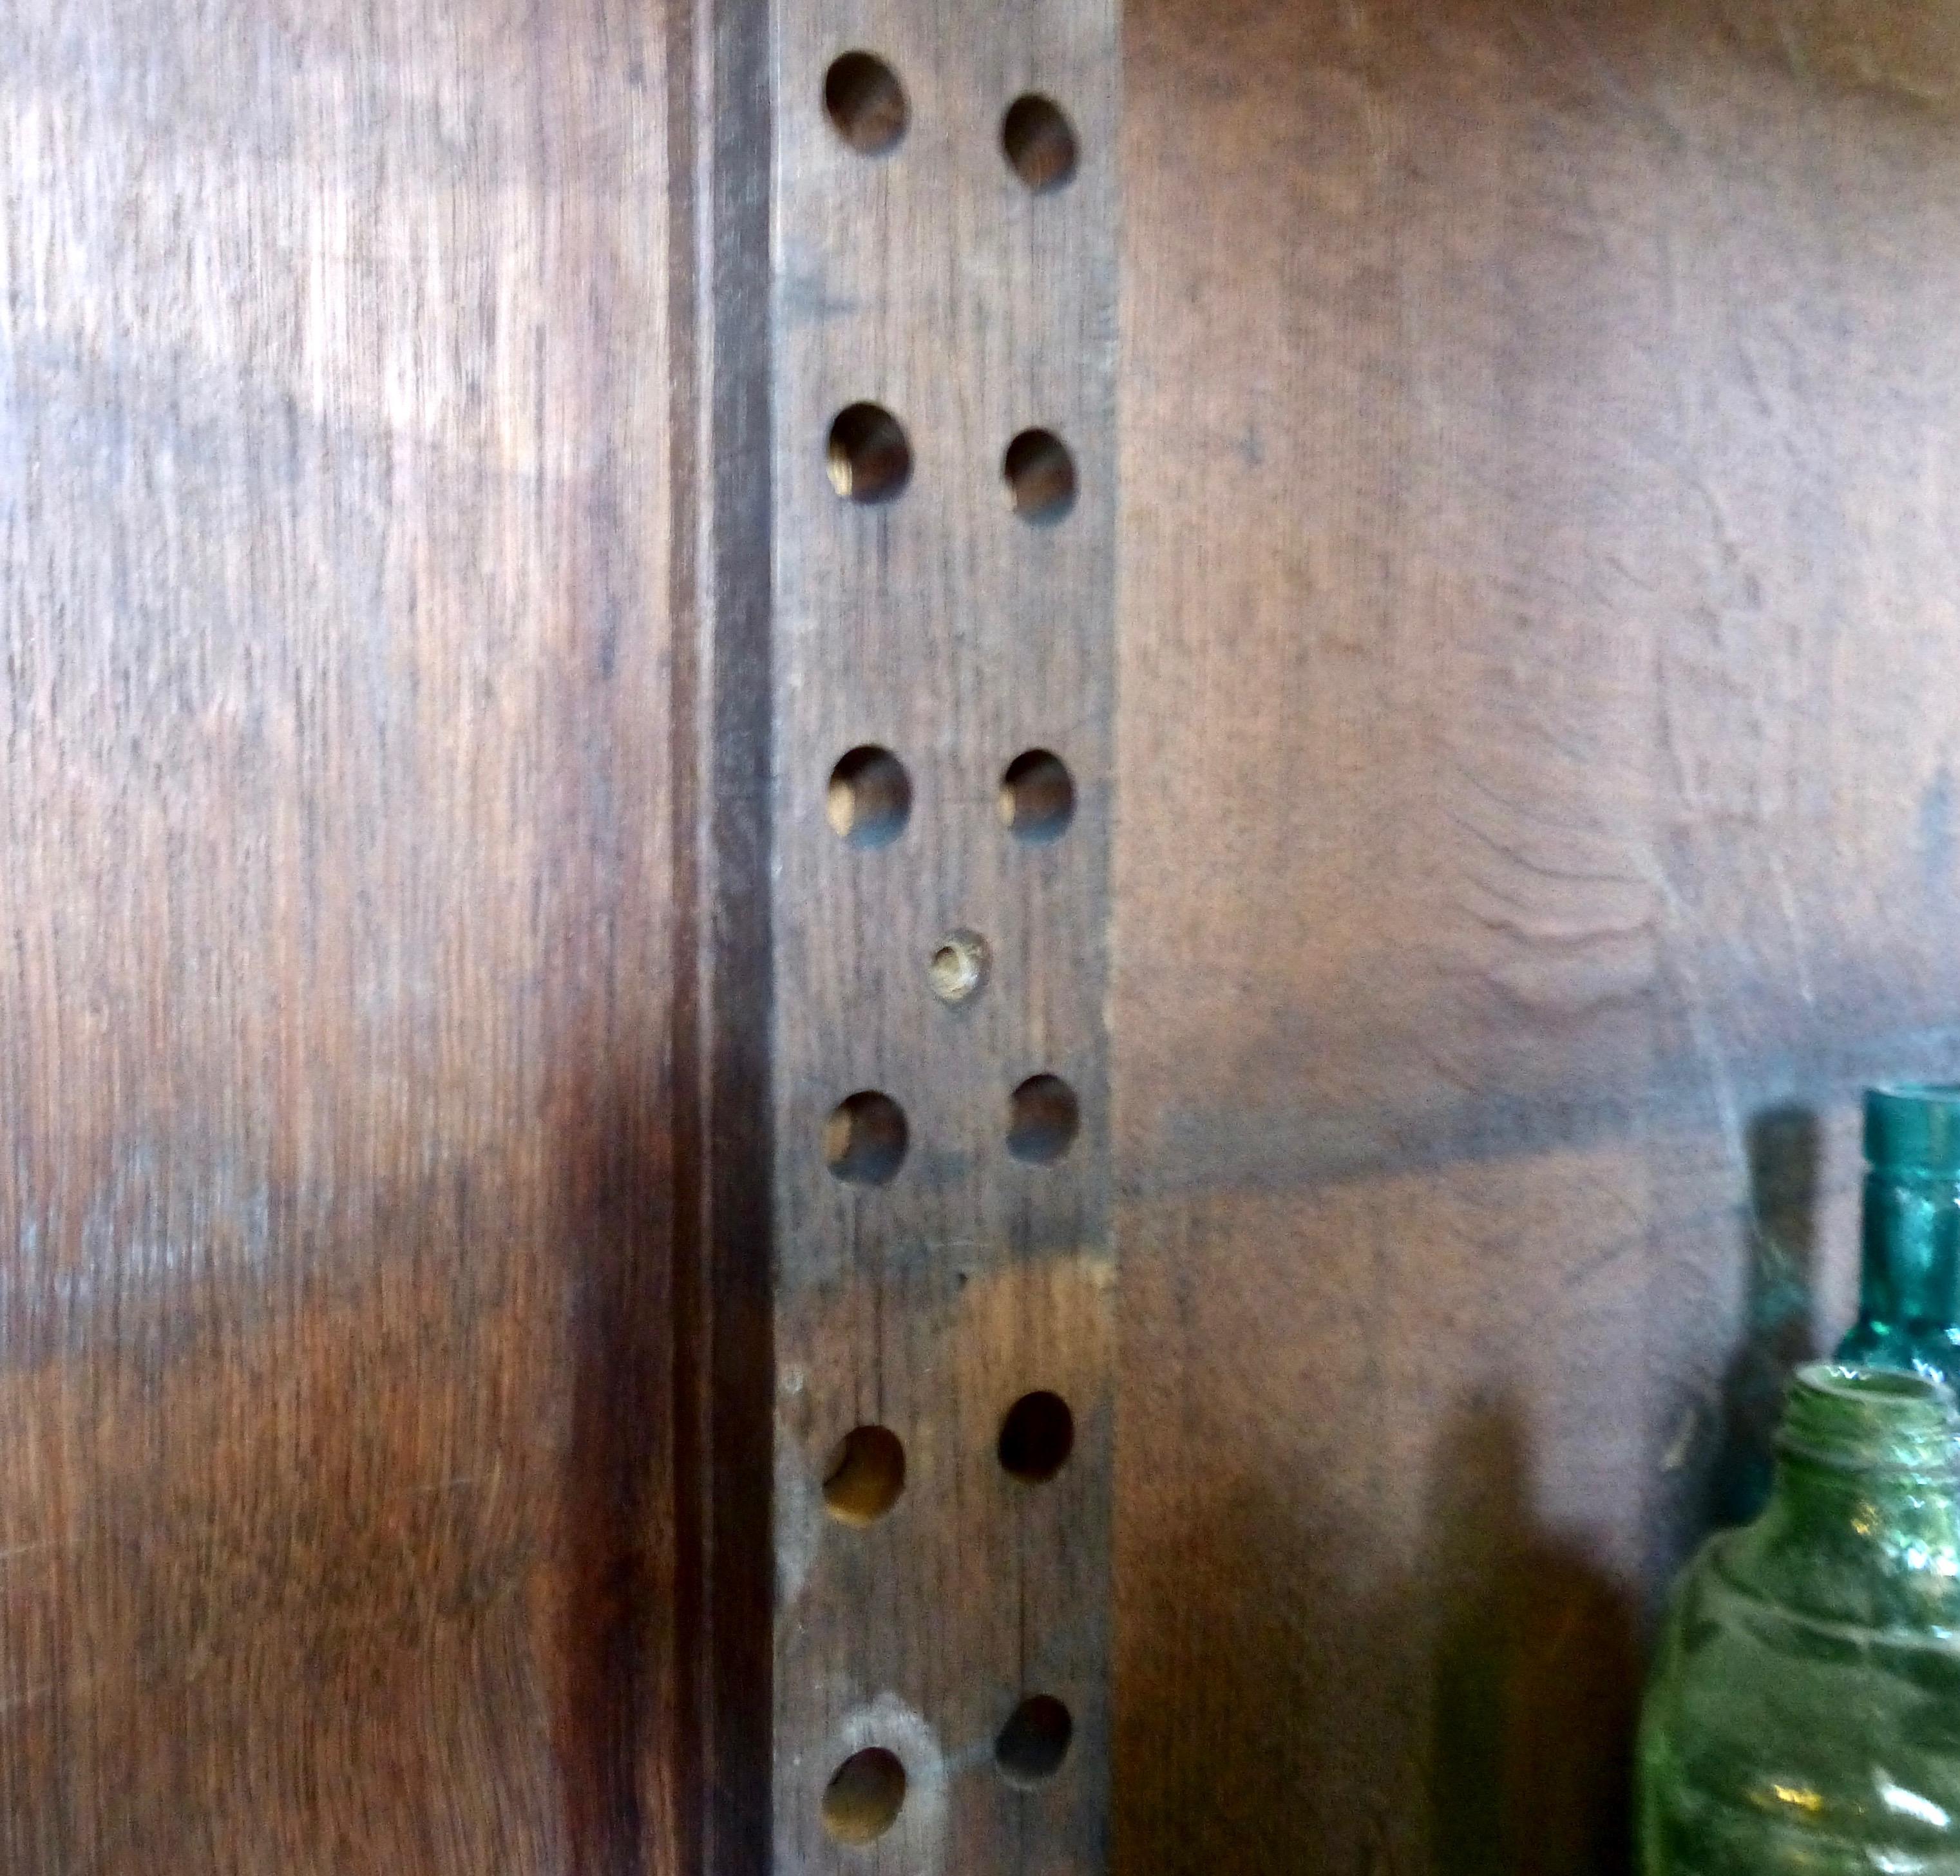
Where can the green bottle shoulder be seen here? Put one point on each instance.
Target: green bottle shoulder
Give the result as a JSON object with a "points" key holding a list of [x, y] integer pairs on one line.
{"points": [[1762, 1718]]}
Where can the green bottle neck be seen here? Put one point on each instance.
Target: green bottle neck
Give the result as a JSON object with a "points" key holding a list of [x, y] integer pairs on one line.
{"points": [[1911, 1275], [1882, 1514], [1864, 1524]]}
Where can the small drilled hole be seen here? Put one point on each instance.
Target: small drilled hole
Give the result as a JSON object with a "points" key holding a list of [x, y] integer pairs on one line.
{"points": [[1035, 1740], [869, 798], [871, 461], [866, 1476], [866, 102], [1043, 1118], [1037, 1437], [1039, 143], [864, 1140], [1040, 476], [864, 1796], [1037, 796], [958, 969]]}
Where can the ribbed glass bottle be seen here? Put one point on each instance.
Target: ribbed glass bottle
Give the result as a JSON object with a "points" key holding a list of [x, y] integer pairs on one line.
{"points": [[1804, 1711], [1909, 1286]]}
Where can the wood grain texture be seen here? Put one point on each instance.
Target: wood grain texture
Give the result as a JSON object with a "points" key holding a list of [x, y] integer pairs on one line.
{"points": [[944, 628], [336, 887], [1539, 817], [1537, 762]]}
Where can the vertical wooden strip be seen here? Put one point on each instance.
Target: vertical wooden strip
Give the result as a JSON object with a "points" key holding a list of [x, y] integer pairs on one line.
{"points": [[720, 110], [930, 280]]}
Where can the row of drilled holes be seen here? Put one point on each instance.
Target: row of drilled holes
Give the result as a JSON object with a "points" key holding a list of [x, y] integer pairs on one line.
{"points": [[866, 1476], [863, 1481], [867, 1792], [870, 803], [869, 459], [867, 107], [868, 1137]]}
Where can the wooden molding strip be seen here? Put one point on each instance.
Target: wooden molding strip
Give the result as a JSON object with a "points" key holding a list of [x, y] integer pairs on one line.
{"points": [[943, 306], [719, 113]]}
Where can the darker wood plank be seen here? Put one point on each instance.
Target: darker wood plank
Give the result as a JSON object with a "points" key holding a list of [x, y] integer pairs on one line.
{"points": [[721, 133]]}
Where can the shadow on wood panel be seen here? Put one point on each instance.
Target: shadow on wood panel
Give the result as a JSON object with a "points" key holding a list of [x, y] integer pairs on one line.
{"points": [[1303, 1687], [1471, 1713], [1780, 1249], [1537, 1674], [610, 1722]]}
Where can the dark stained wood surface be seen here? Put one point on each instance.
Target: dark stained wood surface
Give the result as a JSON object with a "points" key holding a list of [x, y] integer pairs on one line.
{"points": [[336, 914], [720, 138], [1537, 818], [942, 627]]}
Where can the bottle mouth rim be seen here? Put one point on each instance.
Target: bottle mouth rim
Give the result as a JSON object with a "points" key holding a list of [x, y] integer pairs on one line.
{"points": [[1869, 1384], [1913, 1127], [1859, 1418]]}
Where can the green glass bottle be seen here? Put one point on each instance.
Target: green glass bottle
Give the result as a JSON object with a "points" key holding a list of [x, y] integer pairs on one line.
{"points": [[1909, 1287], [1804, 1710]]}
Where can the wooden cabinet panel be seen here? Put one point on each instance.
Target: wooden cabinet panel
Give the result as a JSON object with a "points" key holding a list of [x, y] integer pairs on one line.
{"points": [[1533, 817], [1536, 796], [335, 965]]}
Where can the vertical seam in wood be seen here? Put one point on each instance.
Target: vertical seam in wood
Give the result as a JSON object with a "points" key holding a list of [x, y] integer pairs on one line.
{"points": [[720, 142]]}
